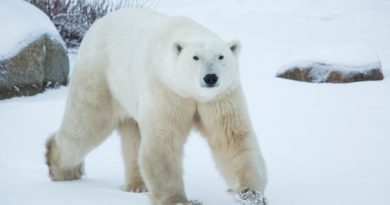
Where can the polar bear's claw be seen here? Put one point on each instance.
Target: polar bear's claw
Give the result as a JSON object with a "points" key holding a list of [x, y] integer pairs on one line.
{"points": [[135, 189], [250, 197]]}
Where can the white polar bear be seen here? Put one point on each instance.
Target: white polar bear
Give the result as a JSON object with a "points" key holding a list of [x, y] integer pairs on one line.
{"points": [[153, 78]]}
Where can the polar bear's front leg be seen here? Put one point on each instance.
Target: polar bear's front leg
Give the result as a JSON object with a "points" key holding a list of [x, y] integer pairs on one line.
{"points": [[161, 160], [164, 130], [226, 126], [241, 163]]}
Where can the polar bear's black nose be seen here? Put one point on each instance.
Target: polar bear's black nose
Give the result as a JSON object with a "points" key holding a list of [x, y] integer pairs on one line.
{"points": [[210, 79]]}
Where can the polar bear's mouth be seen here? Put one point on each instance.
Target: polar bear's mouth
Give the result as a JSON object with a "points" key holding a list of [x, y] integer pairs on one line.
{"points": [[210, 86]]}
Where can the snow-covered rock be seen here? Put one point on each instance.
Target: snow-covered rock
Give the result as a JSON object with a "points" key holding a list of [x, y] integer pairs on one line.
{"points": [[333, 64], [32, 54]]}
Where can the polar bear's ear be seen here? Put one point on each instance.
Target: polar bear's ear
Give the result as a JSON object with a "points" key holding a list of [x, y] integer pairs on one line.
{"points": [[178, 47], [235, 47]]}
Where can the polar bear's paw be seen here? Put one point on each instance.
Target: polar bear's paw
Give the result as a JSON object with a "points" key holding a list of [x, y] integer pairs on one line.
{"points": [[191, 202], [250, 197], [57, 174], [138, 187]]}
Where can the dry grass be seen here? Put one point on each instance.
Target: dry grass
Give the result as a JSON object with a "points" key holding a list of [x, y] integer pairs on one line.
{"points": [[73, 18]]}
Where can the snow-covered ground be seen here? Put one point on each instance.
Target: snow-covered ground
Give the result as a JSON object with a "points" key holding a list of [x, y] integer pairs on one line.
{"points": [[325, 144]]}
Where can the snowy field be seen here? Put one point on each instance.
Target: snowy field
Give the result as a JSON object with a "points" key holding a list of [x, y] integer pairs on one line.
{"points": [[325, 144]]}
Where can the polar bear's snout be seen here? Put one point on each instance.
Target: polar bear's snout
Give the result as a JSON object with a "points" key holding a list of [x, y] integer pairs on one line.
{"points": [[211, 80]]}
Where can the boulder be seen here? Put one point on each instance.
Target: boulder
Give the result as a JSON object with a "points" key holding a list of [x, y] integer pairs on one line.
{"points": [[318, 72], [42, 64], [338, 63], [32, 55]]}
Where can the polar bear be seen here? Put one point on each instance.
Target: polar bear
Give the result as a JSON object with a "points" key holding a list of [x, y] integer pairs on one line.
{"points": [[152, 78]]}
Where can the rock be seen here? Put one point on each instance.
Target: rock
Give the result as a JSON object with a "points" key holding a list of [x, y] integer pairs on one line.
{"points": [[332, 63], [318, 72], [32, 54], [23, 74], [42, 64], [56, 64]]}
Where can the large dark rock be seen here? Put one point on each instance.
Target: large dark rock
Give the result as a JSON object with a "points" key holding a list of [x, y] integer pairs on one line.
{"points": [[331, 73], [56, 64], [42, 64]]}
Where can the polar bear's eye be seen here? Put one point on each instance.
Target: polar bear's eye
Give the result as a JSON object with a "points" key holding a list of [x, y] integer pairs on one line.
{"points": [[195, 58], [220, 57]]}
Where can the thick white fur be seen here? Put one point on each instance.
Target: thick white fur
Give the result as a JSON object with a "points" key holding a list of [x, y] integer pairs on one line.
{"points": [[135, 73]]}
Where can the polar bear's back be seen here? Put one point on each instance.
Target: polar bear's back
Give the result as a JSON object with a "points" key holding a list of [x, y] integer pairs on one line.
{"points": [[123, 29], [133, 30]]}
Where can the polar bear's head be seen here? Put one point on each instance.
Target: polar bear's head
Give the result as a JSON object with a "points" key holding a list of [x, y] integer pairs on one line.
{"points": [[203, 70]]}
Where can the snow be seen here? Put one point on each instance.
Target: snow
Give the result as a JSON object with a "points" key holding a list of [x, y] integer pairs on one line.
{"points": [[350, 55], [344, 58], [22, 23], [250, 197], [324, 143]]}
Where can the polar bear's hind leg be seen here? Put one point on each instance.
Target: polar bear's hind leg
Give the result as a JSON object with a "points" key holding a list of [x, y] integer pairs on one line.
{"points": [[86, 124]]}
